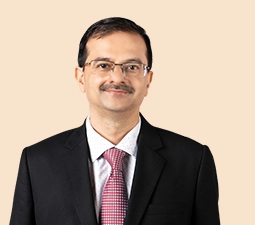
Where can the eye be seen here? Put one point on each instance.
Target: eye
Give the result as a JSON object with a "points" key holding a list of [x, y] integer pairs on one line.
{"points": [[133, 66], [102, 65]]}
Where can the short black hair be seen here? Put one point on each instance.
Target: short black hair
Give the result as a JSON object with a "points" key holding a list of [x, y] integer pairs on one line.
{"points": [[110, 25]]}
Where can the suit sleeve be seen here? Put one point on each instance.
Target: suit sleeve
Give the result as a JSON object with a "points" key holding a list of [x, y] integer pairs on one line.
{"points": [[23, 206], [206, 198]]}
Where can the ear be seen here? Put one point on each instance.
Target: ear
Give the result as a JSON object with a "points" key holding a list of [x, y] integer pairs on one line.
{"points": [[150, 76], [149, 80], [79, 76]]}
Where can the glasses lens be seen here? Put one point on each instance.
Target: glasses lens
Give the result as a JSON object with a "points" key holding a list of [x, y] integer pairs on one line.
{"points": [[102, 67], [134, 69]]}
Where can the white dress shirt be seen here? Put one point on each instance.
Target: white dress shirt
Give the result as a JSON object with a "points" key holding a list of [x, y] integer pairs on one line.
{"points": [[100, 169]]}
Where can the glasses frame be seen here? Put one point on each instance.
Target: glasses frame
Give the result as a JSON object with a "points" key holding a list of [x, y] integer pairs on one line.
{"points": [[146, 68]]}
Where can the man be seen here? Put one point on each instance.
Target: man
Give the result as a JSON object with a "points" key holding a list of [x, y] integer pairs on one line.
{"points": [[116, 168]]}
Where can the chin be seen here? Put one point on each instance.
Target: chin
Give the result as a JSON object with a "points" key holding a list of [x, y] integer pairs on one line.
{"points": [[118, 110], [115, 109]]}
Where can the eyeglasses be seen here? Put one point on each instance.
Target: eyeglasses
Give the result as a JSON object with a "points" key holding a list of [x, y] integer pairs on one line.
{"points": [[129, 69]]}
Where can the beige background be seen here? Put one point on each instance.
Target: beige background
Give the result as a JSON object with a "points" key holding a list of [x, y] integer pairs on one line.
{"points": [[203, 87]]}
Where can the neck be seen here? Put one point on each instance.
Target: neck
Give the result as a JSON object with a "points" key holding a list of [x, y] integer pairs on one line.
{"points": [[114, 126]]}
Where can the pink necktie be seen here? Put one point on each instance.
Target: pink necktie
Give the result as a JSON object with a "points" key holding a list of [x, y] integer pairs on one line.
{"points": [[114, 199]]}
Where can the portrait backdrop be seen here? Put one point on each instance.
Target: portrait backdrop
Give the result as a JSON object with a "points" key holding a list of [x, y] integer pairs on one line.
{"points": [[203, 84]]}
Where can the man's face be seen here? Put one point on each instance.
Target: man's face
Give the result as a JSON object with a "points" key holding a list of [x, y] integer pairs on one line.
{"points": [[118, 47]]}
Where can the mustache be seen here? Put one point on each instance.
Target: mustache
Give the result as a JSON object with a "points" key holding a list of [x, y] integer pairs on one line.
{"points": [[123, 87]]}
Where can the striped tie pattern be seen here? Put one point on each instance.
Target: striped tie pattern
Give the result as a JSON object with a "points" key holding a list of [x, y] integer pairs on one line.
{"points": [[114, 199]]}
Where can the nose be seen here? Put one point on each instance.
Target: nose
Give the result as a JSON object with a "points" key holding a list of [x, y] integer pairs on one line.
{"points": [[117, 74], [121, 67]]}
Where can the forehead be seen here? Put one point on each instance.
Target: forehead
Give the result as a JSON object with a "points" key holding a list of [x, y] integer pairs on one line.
{"points": [[118, 46]]}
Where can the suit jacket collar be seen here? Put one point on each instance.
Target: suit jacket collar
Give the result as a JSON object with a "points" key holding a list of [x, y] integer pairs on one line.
{"points": [[149, 165], [78, 174]]}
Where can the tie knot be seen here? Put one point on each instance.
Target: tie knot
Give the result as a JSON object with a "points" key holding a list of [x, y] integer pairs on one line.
{"points": [[114, 157]]}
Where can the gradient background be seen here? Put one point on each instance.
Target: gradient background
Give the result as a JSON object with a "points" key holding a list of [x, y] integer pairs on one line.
{"points": [[203, 87]]}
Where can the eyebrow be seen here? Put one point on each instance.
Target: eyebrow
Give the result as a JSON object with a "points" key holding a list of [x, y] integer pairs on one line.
{"points": [[126, 61]]}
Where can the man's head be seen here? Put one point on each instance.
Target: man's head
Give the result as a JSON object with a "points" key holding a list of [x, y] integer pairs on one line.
{"points": [[107, 26], [114, 66]]}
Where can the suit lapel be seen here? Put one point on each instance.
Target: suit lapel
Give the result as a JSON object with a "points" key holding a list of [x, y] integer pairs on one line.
{"points": [[77, 171], [149, 165]]}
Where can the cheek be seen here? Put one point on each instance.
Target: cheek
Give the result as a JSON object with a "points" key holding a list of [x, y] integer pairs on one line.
{"points": [[143, 90], [146, 92], [146, 87], [93, 84], [95, 81], [90, 83]]}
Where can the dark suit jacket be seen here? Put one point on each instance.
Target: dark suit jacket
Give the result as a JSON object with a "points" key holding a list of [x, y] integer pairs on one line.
{"points": [[175, 182]]}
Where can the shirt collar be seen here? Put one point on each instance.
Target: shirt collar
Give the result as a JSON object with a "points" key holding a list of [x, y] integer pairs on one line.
{"points": [[98, 144]]}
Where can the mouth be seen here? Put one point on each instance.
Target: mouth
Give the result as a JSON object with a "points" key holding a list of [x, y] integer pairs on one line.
{"points": [[117, 88]]}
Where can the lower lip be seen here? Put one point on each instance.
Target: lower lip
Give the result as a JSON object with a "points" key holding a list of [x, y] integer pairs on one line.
{"points": [[116, 92]]}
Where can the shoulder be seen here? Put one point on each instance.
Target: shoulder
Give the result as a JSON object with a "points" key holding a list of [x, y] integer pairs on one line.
{"points": [[168, 136], [155, 134], [175, 144], [166, 139], [180, 150], [55, 145], [182, 147], [57, 139]]}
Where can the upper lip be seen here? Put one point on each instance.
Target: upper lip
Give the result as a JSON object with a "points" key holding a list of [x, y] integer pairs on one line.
{"points": [[116, 90]]}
